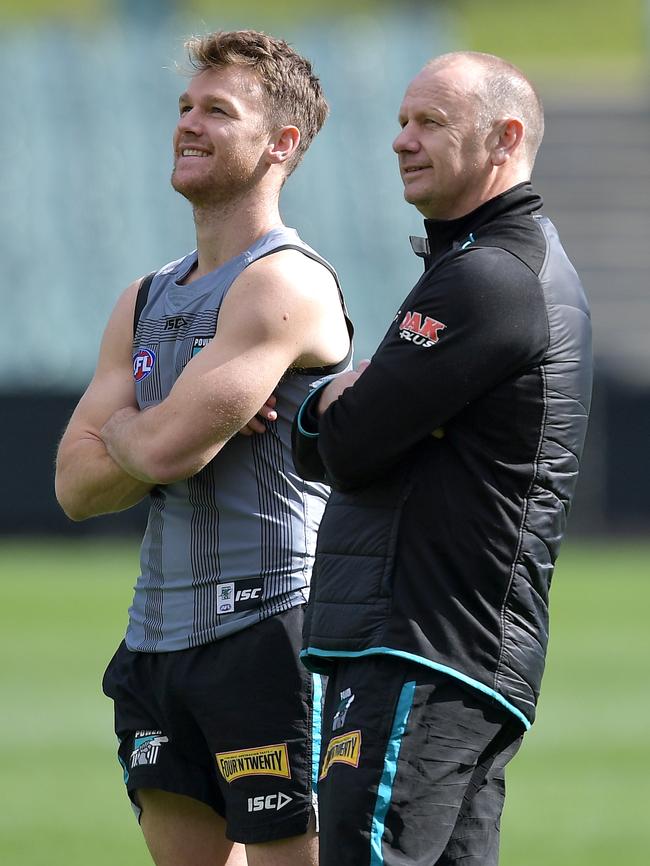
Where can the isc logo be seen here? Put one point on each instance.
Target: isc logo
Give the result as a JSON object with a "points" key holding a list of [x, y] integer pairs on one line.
{"points": [[272, 802], [175, 322], [228, 596]]}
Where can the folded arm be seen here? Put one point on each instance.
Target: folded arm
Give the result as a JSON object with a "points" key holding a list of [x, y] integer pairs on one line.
{"points": [[88, 481], [274, 316], [455, 338]]}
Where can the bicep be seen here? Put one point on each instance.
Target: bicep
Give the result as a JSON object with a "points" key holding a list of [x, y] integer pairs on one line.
{"points": [[112, 386], [227, 382], [261, 332]]}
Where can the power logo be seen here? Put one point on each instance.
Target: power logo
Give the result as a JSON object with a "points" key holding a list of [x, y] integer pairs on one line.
{"points": [[346, 699], [146, 748], [199, 343], [422, 333], [143, 363]]}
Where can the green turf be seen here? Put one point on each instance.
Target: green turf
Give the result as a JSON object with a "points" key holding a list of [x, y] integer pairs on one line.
{"points": [[578, 790], [62, 614]]}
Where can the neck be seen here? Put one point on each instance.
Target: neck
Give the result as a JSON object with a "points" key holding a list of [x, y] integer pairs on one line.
{"points": [[502, 181], [227, 229], [496, 183]]}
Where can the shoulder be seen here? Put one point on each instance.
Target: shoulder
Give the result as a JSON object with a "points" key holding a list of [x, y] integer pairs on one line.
{"points": [[287, 278], [125, 305], [487, 273], [121, 324], [289, 299], [521, 235], [294, 269], [177, 265], [487, 291]]}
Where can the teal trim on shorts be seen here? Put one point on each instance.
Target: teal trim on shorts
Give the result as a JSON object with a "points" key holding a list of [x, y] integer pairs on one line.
{"points": [[411, 657], [385, 789], [124, 768], [316, 726]]}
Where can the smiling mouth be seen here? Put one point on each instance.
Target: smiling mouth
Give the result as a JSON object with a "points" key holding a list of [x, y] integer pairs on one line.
{"points": [[191, 151]]}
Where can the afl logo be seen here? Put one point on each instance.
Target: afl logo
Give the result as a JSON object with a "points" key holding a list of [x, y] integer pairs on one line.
{"points": [[143, 362]]}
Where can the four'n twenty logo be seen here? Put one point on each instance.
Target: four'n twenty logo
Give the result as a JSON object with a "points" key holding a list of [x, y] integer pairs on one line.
{"points": [[143, 362], [422, 333]]}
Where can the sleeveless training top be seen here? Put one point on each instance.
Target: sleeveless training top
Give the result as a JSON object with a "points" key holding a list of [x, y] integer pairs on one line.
{"points": [[233, 544]]}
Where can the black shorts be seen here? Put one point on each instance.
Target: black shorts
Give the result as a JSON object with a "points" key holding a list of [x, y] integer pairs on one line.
{"points": [[229, 723], [412, 767]]}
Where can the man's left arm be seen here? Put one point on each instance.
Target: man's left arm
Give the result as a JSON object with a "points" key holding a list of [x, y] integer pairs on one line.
{"points": [[476, 322]]}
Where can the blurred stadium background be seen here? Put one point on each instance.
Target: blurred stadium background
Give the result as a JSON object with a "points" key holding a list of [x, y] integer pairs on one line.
{"points": [[90, 89]]}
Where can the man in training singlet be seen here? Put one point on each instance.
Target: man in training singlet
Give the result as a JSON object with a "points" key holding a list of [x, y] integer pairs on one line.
{"points": [[214, 713]]}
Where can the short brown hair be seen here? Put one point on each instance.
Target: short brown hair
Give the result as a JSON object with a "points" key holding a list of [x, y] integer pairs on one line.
{"points": [[295, 96], [502, 88]]}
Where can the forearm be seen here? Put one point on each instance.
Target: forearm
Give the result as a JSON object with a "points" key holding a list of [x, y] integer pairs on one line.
{"points": [[334, 451], [154, 446], [351, 420], [89, 482]]}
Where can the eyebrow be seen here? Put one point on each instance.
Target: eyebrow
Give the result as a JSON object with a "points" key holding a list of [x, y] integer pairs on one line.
{"points": [[425, 111], [209, 99]]}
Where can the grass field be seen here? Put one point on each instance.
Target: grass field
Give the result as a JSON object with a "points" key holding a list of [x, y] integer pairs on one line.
{"points": [[579, 790]]}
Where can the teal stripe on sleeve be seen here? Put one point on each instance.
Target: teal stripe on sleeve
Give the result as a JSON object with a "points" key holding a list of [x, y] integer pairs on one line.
{"points": [[314, 393]]}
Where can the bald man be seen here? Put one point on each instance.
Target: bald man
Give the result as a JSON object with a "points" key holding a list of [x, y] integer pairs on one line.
{"points": [[453, 456]]}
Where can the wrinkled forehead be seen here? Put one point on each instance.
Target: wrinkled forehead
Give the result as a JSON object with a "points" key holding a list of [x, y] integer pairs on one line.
{"points": [[451, 89]]}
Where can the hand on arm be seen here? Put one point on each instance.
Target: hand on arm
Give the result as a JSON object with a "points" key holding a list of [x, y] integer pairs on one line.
{"points": [[266, 413], [88, 481], [338, 385]]}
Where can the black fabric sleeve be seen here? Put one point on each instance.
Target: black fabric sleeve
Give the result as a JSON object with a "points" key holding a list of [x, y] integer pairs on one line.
{"points": [[475, 321], [304, 438]]}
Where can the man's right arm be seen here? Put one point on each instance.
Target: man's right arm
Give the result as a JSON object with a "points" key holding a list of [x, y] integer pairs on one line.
{"points": [[88, 481]]}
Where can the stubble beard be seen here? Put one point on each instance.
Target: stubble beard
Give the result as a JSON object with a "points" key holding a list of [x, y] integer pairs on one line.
{"points": [[220, 189]]}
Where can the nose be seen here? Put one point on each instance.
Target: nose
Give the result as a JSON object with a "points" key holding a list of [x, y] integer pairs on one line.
{"points": [[405, 140], [189, 121]]}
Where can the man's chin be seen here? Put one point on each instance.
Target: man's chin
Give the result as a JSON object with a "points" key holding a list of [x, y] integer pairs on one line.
{"points": [[193, 190], [424, 204], [413, 198], [181, 185], [200, 192]]}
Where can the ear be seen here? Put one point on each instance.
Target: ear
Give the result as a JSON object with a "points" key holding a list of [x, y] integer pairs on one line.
{"points": [[509, 136], [283, 144]]}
